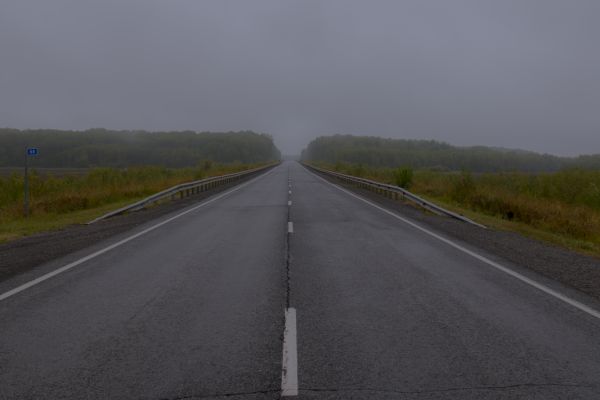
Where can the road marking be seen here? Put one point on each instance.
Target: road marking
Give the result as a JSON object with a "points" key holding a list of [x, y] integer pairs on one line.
{"points": [[69, 266], [289, 191], [582, 307], [289, 366], [289, 202], [290, 227]]}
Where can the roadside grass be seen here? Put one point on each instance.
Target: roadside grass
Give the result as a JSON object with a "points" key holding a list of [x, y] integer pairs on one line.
{"points": [[562, 207], [59, 201], [588, 247], [18, 228]]}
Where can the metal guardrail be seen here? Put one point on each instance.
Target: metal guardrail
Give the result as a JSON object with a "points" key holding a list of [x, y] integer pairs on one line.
{"points": [[394, 192], [183, 190]]}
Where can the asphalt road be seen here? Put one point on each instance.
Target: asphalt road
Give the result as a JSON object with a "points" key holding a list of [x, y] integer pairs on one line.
{"points": [[195, 308]]}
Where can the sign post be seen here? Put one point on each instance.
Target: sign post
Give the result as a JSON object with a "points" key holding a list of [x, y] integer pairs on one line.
{"points": [[31, 151]]}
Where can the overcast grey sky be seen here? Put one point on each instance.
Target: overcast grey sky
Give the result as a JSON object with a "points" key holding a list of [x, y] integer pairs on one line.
{"points": [[511, 73]]}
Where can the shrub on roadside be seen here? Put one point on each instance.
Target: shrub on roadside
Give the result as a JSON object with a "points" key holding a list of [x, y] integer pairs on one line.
{"points": [[403, 177]]}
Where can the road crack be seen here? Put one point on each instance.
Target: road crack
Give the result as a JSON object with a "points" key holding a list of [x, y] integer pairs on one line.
{"points": [[451, 389], [220, 395]]}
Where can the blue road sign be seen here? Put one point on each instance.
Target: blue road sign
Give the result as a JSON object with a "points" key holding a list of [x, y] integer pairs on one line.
{"points": [[32, 151]]}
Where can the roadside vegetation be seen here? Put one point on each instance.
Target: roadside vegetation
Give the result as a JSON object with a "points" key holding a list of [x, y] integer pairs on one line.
{"points": [[562, 207], [60, 200]]}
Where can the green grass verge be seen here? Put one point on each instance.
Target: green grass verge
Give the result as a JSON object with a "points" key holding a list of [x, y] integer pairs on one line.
{"points": [[19, 228], [581, 246]]}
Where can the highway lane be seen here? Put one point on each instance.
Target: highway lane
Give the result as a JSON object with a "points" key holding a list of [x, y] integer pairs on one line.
{"points": [[192, 308], [387, 311], [196, 309]]}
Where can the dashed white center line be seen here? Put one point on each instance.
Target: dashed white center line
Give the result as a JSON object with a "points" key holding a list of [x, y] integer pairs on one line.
{"points": [[289, 202], [289, 191], [290, 227], [289, 367]]}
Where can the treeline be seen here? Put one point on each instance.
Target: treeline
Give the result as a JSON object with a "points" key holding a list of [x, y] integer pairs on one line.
{"points": [[429, 154], [104, 148]]}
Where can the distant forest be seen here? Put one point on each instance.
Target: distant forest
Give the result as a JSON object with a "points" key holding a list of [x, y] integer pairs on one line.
{"points": [[104, 148], [429, 154]]}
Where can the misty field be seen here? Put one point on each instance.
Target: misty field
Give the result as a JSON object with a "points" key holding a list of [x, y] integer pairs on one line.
{"points": [[60, 199], [563, 207]]}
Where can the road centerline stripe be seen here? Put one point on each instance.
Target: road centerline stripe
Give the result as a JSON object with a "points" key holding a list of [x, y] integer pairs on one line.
{"points": [[289, 366], [290, 227], [565, 299]]}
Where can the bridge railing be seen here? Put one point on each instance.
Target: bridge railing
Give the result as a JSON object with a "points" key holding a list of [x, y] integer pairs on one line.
{"points": [[184, 190], [393, 192]]}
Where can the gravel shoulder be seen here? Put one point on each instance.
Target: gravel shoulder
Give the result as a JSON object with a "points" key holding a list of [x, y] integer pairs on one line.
{"points": [[23, 255], [574, 270]]}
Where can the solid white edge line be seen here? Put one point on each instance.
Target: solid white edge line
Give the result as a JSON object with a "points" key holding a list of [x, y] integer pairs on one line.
{"points": [[290, 227], [580, 306], [289, 365], [67, 267]]}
